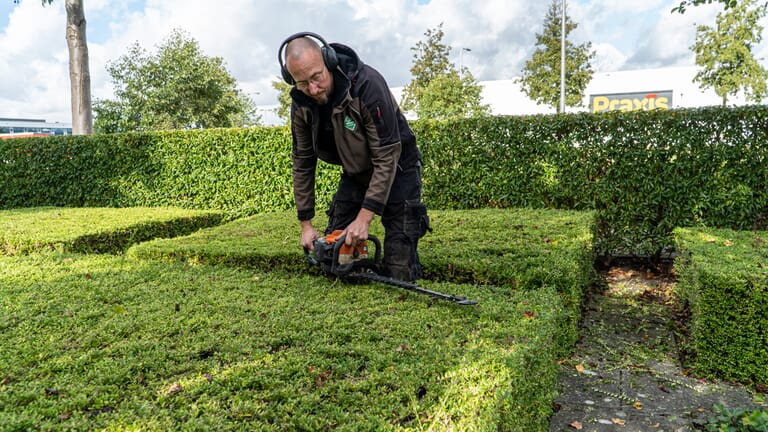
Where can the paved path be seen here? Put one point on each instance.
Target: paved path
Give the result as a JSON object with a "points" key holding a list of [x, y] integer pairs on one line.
{"points": [[625, 374]]}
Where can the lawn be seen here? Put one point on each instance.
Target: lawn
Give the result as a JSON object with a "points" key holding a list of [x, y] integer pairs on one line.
{"points": [[228, 328]]}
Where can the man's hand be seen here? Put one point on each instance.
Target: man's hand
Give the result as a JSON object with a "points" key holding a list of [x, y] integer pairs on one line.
{"points": [[308, 235], [357, 231]]}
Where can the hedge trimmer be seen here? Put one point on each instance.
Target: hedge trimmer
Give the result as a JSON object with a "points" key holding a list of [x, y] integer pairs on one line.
{"points": [[353, 264]]}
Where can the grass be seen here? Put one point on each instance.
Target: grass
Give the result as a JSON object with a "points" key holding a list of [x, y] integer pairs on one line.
{"points": [[228, 329]]}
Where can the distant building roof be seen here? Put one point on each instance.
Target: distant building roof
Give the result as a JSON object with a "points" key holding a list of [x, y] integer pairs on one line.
{"points": [[14, 126]]}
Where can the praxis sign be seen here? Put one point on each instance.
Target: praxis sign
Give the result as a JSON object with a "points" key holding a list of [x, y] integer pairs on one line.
{"points": [[640, 101]]}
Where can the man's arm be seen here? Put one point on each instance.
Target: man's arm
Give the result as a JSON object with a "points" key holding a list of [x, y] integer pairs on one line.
{"points": [[308, 235]]}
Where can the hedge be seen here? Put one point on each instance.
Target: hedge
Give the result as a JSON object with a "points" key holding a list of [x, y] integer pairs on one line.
{"points": [[724, 280], [644, 173]]}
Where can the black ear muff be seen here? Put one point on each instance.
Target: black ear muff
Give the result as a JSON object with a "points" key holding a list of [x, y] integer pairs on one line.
{"points": [[329, 54]]}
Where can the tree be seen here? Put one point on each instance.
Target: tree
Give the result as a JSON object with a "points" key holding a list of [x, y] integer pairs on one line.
{"points": [[541, 75], [725, 53], [176, 88], [79, 69], [283, 99], [437, 90], [684, 4]]}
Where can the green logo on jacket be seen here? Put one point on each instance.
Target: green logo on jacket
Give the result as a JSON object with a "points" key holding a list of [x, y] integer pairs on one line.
{"points": [[349, 123]]}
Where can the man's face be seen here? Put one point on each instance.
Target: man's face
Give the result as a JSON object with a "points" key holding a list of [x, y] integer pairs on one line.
{"points": [[311, 76]]}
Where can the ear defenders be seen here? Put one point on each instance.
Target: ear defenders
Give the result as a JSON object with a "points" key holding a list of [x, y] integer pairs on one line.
{"points": [[329, 54]]}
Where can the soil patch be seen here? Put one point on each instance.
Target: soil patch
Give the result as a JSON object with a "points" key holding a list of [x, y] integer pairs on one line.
{"points": [[625, 373]]}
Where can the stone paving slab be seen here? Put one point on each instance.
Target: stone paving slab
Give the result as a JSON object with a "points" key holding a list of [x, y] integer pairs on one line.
{"points": [[625, 374]]}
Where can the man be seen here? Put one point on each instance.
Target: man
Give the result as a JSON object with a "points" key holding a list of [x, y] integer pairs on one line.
{"points": [[343, 113]]}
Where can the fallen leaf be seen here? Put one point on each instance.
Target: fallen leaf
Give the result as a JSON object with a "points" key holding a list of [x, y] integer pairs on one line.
{"points": [[638, 405], [619, 421], [174, 388], [322, 378], [576, 425], [728, 243], [579, 368], [529, 314]]}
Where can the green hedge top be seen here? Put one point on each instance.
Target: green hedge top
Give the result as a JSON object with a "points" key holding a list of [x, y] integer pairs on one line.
{"points": [[740, 254]]}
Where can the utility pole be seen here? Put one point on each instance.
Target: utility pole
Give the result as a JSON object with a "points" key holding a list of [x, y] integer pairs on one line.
{"points": [[562, 61]]}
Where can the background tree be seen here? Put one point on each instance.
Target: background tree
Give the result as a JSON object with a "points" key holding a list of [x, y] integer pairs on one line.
{"points": [[176, 88], [541, 75], [283, 99], [79, 69], [725, 53], [437, 90], [684, 4]]}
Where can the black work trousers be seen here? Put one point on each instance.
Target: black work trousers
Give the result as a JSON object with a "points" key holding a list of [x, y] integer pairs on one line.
{"points": [[405, 220]]}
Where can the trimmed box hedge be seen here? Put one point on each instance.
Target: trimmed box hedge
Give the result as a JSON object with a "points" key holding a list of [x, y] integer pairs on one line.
{"points": [[95, 230], [724, 279], [229, 328]]}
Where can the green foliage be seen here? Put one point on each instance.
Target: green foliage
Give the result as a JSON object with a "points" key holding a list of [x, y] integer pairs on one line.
{"points": [[437, 89], [540, 78], [724, 279], [240, 171], [684, 4], [283, 99], [176, 88], [725, 53], [94, 230], [643, 173], [737, 420], [535, 249], [105, 342]]}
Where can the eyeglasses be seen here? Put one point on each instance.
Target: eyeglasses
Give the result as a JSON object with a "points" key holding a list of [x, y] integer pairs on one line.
{"points": [[315, 79]]}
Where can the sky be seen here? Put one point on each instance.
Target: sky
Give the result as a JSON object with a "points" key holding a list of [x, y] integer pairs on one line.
{"points": [[493, 38]]}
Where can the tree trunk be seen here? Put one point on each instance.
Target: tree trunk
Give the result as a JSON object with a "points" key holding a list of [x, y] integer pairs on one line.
{"points": [[79, 71]]}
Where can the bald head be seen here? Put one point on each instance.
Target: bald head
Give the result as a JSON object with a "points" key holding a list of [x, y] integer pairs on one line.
{"points": [[300, 47]]}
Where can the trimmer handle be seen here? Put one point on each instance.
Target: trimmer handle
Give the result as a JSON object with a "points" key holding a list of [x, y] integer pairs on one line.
{"points": [[342, 269], [312, 260]]}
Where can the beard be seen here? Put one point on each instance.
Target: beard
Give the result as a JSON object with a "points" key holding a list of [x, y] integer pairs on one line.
{"points": [[321, 98]]}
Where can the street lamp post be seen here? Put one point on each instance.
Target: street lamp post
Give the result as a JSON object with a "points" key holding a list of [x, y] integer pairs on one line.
{"points": [[461, 59], [562, 61]]}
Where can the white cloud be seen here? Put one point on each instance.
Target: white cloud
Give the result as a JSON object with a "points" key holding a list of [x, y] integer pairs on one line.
{"points": [[246, 34]]}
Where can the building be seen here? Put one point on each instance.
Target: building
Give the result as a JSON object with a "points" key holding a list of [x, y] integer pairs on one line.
{"points": [[21, 128]]}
